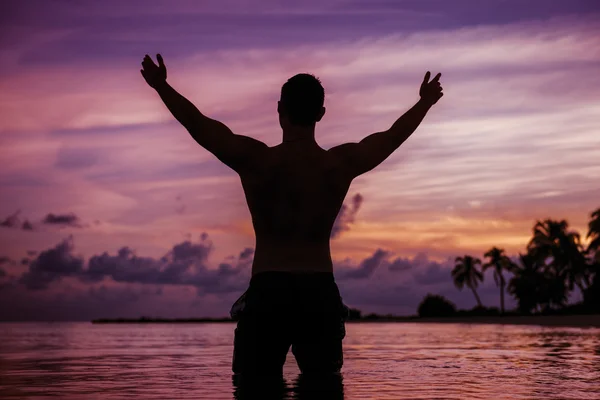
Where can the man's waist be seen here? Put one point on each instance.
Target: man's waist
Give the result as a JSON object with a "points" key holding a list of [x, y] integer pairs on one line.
{"points": [[302, 258], [292, 277], [291, 268]]}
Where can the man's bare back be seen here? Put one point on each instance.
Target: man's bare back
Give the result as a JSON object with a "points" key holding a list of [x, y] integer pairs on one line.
{"points": [[294, 199], [294, 192]]}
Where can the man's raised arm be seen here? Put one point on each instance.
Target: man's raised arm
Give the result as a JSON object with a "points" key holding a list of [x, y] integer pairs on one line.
{"points": [[365, 155], [237, 151]]}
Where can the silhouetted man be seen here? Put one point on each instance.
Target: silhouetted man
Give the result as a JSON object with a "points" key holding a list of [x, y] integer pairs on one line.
{"points": [[294, 192]]}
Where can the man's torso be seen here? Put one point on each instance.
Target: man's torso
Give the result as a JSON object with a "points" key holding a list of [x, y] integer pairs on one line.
{"points": [[294, 197]]}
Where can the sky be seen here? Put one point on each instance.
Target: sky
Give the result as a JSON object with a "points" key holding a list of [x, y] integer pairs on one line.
{"points": [[108, 208]]}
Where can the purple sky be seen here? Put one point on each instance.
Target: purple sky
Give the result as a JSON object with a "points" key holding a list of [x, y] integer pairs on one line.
{"points": [[109, 208]]}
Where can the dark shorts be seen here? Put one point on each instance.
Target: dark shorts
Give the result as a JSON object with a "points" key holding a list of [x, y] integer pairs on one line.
{"points": [[279, 310]]}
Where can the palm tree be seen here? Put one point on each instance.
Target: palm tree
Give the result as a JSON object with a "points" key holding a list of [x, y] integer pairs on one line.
{"points": [[594, 235], [592, 296], [499, 261], [465, 273], [525, 285], [561, 252], [533, 285]]}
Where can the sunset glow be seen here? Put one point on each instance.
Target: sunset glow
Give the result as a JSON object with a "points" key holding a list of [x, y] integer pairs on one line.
{"points": [[514, 139]]}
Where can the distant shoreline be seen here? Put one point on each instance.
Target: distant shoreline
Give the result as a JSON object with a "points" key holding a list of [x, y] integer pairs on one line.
{"points": [[578, 321], [574, 321]]}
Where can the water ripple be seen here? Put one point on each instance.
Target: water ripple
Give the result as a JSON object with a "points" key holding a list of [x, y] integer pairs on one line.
{"points": [[382, 361]]}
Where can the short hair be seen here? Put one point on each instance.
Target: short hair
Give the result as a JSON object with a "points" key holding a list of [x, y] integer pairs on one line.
{"points": [[302, 97]]}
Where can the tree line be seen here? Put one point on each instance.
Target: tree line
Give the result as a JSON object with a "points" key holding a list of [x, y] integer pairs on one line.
{"points": [[554, 263]]}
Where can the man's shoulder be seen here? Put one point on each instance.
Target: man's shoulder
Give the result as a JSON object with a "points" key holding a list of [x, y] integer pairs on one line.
{"points": [[262, 162], [342, 153]]}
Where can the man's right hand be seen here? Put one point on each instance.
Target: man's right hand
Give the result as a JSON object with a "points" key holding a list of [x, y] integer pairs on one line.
{"points": [[431, 92], [152, 73]]}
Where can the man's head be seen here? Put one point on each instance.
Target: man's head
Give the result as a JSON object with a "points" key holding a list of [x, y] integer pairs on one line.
{"points": [[301, 103]]}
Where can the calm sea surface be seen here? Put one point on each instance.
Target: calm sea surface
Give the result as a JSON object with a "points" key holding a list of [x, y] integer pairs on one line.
{"points": [[382, 361]]}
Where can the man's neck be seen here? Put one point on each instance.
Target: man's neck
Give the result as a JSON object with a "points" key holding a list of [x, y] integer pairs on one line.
{"points": [[299, 134]]}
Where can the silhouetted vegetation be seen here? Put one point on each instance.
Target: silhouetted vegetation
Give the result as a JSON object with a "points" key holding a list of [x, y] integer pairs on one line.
{"points": [[554, 264], [465, 273], [436, 306], [354, 314], [591, 297], [479, 312], [499, 262]]}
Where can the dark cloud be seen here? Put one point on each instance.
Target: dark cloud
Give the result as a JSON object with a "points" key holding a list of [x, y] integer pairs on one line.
{"points": [[62, 219], [226, 269], [6, 260], [27, 226], [31, 253], [53, 265], [434, 273], [191, 251], [246, 253], [2, 273], [237, 267], [365, 268], [123, 267], [185, 264], [400, 264], [12, 221], [128, 267], [346, 216]]}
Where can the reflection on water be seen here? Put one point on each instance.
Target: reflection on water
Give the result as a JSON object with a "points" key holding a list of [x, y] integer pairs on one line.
{"points": [[382, 361], [302, 388]]}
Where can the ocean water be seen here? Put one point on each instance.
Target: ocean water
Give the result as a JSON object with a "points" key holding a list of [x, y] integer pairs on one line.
{"points": [[382, 361]]}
